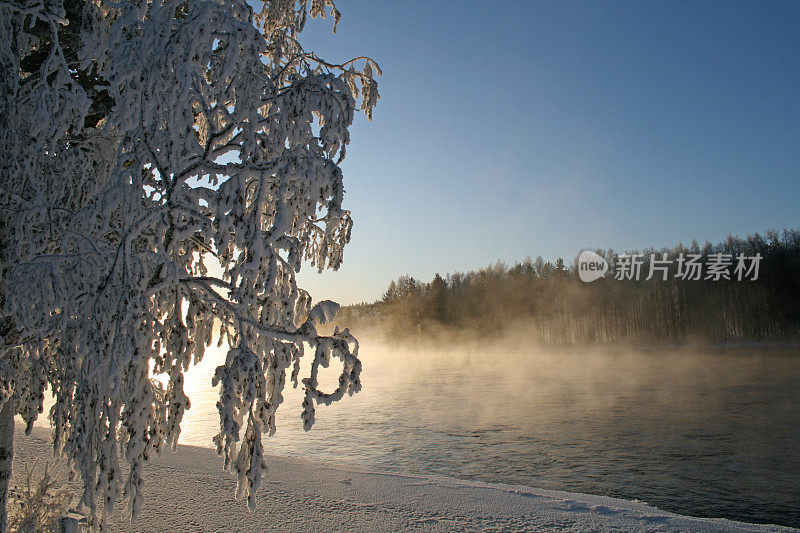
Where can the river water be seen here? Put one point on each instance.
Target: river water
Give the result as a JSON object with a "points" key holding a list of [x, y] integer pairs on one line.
{"points": [[705, 432]]}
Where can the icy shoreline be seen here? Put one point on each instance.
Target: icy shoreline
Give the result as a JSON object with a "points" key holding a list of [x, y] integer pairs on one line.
{"points": [[188, 491]]}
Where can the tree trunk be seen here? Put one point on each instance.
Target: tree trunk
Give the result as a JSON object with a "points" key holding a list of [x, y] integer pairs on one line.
{"points": [[6, 457]]}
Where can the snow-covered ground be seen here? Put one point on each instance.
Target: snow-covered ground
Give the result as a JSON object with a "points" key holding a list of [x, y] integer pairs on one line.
{"points": [[188, 492]]}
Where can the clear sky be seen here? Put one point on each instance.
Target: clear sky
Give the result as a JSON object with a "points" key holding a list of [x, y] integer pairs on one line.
{"points": [[508, 129]]}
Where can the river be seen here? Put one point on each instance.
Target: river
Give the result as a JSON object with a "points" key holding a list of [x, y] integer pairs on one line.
{"points": [[709, 432]]}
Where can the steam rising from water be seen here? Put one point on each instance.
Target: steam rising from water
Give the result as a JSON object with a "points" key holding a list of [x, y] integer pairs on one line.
{"points": [[702, 431]]}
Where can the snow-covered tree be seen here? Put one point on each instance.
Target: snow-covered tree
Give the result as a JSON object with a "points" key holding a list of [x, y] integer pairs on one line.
{"points": [[140, 142]]}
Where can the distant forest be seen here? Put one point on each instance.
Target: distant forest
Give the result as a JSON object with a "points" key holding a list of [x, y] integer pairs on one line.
{"points": [[548, 302]]}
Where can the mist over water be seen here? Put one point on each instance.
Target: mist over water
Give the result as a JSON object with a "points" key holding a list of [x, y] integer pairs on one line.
{"points": [[701, 431], [708, 432]]}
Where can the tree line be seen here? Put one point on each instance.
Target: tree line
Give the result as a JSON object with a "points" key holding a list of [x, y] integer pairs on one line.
{"points": [[547, 300]]}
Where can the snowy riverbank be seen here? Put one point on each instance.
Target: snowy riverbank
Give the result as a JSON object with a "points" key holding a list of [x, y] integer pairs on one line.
{"points": [[188, 492]]}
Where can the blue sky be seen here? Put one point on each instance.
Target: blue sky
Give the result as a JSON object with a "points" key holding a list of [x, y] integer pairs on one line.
{"points": [[508, 129]]}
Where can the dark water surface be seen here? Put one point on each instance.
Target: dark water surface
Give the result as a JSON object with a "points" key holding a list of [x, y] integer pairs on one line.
{"points": [[704, 432]]}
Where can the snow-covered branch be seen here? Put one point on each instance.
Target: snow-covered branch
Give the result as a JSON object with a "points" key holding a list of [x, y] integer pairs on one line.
{"points": [[139, 138]]}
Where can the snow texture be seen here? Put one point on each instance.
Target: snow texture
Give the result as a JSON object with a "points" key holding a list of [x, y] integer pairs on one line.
{"points": [[140, 141], [188, 493]]}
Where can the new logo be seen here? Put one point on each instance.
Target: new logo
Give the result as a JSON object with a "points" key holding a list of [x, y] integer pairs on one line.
{"points": [[591, 266]]}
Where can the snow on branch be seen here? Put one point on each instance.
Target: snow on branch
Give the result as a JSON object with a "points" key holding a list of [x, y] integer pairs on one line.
{"points": [[139, 139]]}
